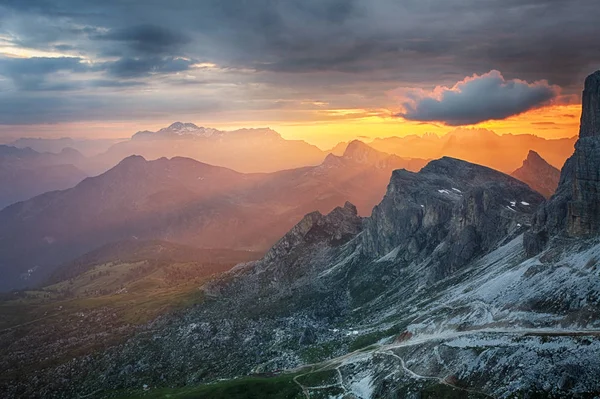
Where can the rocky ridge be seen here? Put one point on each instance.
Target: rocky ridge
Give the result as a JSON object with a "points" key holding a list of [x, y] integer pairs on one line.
{"points": [[437, 289], [574, 211]]}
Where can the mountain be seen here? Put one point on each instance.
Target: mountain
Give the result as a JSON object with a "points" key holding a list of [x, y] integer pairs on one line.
{"points": [[339, 148], [183, 201], [361, 153], [464, 282], [244, 150], [538, 174], [102, 298], [337, 280], [574, 211], [25, 173], [501, 152], [87, 147]]}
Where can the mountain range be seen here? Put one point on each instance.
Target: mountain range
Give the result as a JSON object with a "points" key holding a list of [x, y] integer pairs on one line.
{"points": [[25, 173], [484, 147], [184, 201], [463, 282], [87, 147], [244, 150]]}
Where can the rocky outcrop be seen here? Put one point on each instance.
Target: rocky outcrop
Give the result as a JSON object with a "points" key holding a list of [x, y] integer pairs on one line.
{"points": [[574, 211], [335, 228], [590, 107], [450, 212], [538, 174]]}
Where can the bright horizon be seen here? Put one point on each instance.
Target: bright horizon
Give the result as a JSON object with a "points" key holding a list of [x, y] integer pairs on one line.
{"points": [[553, 122], [323, 72]]}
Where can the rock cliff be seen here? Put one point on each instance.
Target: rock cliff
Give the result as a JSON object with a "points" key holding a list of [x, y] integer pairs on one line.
{"points": [[574, 211]]}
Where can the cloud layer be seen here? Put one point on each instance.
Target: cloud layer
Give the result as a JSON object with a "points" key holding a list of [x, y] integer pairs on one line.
{"points": [[262, 53], [476, 99]]}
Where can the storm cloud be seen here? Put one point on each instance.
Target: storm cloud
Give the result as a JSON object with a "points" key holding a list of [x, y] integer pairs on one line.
{"points": [[347, 53], [477, 99]]}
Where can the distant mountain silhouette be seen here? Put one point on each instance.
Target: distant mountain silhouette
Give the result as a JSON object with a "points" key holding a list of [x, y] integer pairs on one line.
{"points": [[184, 201], [25, 173], [538, 174], [244, 150], [501, 152], [87, 147]]}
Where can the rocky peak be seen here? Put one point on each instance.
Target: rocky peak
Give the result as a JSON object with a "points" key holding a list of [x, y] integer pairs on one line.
{"points": [[335, 228], [534, 159], [590, 107], [451, 210], [183, 126], [574, 210], [538, 174], [359, 152]]}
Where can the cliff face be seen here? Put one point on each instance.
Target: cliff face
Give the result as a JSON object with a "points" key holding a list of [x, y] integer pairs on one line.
{"points": [[590, 107], [450, 212], [574, 211]]}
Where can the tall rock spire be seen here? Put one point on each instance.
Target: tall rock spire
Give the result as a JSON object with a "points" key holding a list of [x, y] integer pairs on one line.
{"points": [[590, 107], [574, 210]]}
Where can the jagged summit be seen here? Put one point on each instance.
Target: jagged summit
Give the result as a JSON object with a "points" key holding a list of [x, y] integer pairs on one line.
{"points": [[335, 228], [183, 126], [574, 210], [538, 174], [452, 210], [533, 157], [181, 129]]}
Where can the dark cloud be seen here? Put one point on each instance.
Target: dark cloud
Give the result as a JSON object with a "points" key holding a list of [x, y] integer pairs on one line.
{"points": [[147, 39], [32, 73], [477, 99], [342, 51]]}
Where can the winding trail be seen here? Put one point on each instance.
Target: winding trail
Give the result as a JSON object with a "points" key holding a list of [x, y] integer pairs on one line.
{"points": [[336, 363]]}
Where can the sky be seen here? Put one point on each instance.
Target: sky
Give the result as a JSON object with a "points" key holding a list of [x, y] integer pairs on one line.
{"points": [[319, 70]]}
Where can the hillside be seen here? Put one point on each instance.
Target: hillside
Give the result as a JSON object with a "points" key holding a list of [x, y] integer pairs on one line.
{"points": [[102, 298], [464, 282], [184, 201]]}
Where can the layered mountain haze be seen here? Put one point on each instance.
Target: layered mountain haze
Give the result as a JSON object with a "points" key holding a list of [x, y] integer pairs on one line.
{"points": [[244, 150], [25, 173], [538, 174], [184, 201], [87, 147], [464, 282], [501, 152], [299, 199]]}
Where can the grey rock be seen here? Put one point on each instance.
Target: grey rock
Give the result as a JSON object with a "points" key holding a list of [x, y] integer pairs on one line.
{"points": [[452, 210], [590, 107], [574, 211]]}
